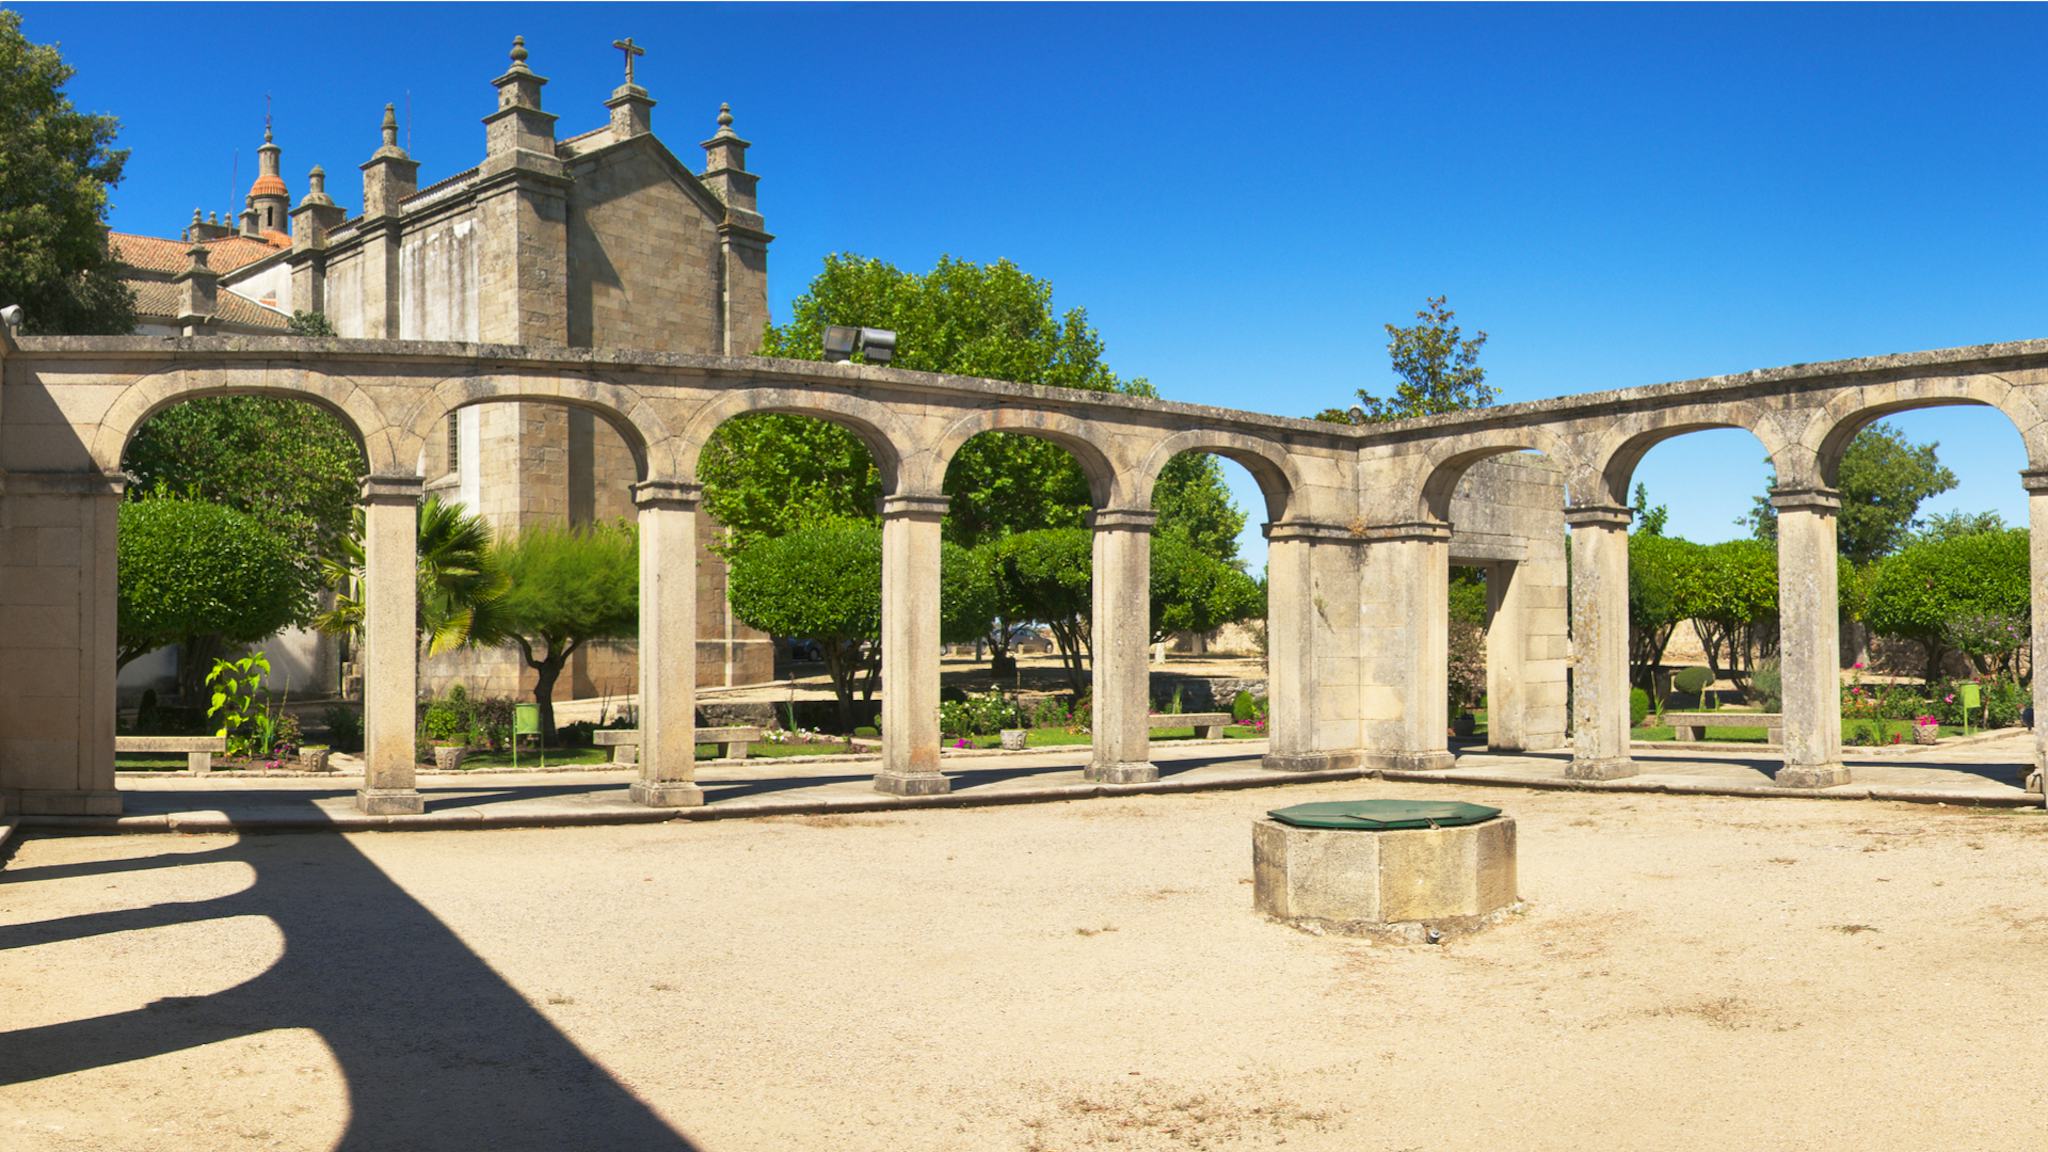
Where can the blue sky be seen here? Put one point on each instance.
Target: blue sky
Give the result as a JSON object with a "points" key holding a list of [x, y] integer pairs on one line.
{"points": [[1241, 196]]}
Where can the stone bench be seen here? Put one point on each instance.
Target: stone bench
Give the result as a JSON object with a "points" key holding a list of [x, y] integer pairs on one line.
{"points": [[198, 750], [732, 743], [1207, 725], [1687, 725]]}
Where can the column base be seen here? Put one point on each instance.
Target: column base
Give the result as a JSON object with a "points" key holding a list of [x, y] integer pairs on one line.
{"points": [[1811, 776], [665, 794], [1122, 772], [1615, 769], [913, 783], [390, 802], [1433, 761], [66, 802], [1311, 761], [2033, 783]]}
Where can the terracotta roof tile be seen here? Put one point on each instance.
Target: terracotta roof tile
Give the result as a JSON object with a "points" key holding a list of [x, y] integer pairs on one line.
{"points": [[157, 254], [159, 299]]}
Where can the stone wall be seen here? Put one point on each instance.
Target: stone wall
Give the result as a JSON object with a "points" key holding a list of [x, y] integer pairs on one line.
{"points": [[643, 257]]}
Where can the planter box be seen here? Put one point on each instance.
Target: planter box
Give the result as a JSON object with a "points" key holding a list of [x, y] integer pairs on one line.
{"points": [[314, 759], [1013, 739], [1928, 735], [449, 759]]}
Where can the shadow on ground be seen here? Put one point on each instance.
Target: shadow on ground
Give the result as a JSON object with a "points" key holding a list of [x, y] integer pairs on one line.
{"points": [[437, 1050]]}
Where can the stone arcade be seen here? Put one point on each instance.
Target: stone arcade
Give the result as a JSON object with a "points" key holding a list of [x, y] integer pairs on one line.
{"points": [[1364, 525]]}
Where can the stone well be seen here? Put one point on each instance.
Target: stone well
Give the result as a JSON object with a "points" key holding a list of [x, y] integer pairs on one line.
{"points": [[1409, 870]]}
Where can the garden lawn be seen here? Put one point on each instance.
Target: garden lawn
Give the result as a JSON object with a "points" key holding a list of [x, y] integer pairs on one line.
{"points": [[1884, 730], [1061, 737]]}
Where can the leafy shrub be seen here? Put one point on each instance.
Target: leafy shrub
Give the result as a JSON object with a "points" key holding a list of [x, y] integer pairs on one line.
{"points": [[344, 728], [1241, 707], [575, 735], [1768, 681], [1693, 682], [1638, 707], [1467, 670], [441, 722], [1051, 712], [979, 715], [490, 721]]}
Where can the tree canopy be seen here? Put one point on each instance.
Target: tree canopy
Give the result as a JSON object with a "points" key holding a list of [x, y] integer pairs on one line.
{"points": [[290, 464], [188, 570], [1971, 593], [57, 165], [1883, 478], [1436, 370], [564, 588], [766, 474]]}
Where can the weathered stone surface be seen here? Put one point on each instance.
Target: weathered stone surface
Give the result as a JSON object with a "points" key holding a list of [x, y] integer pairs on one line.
{"points": [[1398, 883]]}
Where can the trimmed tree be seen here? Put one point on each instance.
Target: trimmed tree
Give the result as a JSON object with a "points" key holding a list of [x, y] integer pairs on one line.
{"points": [[1659, 569], [565, 588], [1970, 593], [57, 166], [1730, 593], [198, 575]]}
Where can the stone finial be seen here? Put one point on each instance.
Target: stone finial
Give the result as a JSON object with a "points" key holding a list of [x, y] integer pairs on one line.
{"points": [[198, 293], [316, 188], [389, 131], [519, 125], [519, 52], [725, 119]]}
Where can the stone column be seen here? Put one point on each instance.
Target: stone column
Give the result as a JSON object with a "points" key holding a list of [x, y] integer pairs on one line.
{"points": [[1809, 637], [910, 646], [1122, 692], [390, 669], [2036, 481], [1407, 578], [1600, 728], [1290, 650], [668, 645], [1507, 631]]}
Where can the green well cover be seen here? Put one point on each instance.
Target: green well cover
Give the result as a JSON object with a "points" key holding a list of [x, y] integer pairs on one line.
{"points": [[1384, 815]]}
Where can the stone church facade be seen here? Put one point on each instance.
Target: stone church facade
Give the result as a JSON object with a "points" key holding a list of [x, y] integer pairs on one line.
{"points": [[604, 239]]}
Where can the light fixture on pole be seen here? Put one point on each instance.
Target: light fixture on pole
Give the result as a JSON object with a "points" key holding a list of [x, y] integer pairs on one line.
{"points": [[840, 341]]}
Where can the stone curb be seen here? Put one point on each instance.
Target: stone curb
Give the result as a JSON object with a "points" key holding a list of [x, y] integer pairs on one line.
{"points": [[1708, 788]]}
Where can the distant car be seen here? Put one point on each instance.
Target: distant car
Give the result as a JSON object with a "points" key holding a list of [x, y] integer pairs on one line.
{"points": [[1026, 640]]}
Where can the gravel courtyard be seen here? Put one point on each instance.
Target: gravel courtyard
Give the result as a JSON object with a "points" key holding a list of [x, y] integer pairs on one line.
{"points": [[1691, 972]]}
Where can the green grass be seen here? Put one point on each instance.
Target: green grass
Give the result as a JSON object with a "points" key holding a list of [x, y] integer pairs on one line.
{"points": [[532, 757], [762, 748], [1062, 738], [1885, 729]]}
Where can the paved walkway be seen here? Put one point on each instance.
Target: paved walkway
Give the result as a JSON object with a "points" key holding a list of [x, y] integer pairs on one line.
{"points": [[1986, 772]]}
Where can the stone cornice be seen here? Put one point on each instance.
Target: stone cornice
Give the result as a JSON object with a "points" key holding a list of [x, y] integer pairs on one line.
{"points": [[2035, 480], [1312, 531], [1420, 531], [392, 489], [1806, 499], [672, 495], [1122, 519], [912, 507], [1598, 516]]}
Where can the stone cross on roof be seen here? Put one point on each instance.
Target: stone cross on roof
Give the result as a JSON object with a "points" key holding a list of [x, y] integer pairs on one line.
{"points": [[631, 50]]}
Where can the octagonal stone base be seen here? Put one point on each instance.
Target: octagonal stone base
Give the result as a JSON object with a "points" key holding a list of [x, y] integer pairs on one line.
{"points": [[390, 802], [665, 793], [1811, 776], [1402, 884], [1122, 772], [913, 783]]}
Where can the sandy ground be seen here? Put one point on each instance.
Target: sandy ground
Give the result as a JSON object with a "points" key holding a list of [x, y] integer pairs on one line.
{"points": [[1692, 972]]}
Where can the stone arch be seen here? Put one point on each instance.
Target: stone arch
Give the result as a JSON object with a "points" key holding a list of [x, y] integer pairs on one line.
{"points": [[1622, 447], [1441, 481], [871, 421], [358, 412], [647, 437], [1108, 484], [1852, 410], [1270, 465]]}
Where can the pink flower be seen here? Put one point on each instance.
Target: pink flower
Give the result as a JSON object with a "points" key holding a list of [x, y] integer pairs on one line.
{"points": [[1859, 665]]}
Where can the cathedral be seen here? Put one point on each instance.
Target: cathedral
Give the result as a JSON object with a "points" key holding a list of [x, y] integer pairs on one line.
{"points": [[604, 239]]}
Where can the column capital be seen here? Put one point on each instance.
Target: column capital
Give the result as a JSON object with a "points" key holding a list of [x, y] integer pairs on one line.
{"points": [[1806, 499], [1122, 519], [1313, 531], [913, 507], [2035, 480], [392, 489], [671, 495], [1422, 531], [1598, 516]]}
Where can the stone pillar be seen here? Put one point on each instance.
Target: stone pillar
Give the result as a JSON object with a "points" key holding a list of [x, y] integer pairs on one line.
{"points": [[1507, 630], [1298, 699], [2036, 481], [1407, 583], [1600, 728], [910, 646], [390, 617], [742, 240], [1122, 690], [668, 645], [1809, 637]]}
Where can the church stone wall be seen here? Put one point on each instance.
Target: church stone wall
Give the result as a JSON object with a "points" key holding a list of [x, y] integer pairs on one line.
{"points": [[437, 282], [344, 291], [643, 259]]}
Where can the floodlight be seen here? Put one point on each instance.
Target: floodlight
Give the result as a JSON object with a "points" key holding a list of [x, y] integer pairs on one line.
{"points": [[878, 345], [11, 315], [839, 341]]}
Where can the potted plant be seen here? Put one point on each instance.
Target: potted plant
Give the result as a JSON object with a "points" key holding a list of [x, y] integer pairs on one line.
{"points": [[448, 756], [1926, 729], [313, 757]]}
